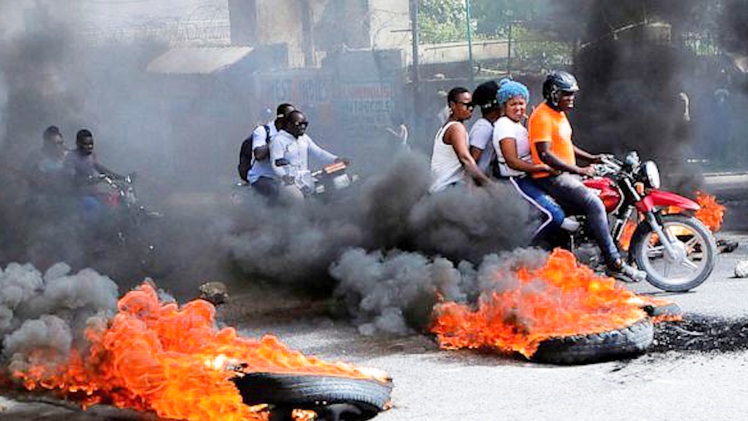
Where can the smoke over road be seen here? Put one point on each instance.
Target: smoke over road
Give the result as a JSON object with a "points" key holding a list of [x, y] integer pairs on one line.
{"points": [[43, 316], [296, 243]]}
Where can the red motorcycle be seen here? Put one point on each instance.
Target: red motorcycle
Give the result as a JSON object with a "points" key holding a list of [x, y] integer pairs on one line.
{"points": [[675, 249]]}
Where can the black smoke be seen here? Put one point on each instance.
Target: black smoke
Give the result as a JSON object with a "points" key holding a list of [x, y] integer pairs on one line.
{"points": [[295, 243], [650, 83]]}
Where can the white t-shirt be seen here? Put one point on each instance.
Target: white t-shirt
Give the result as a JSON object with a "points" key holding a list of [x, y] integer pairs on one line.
{"points": [[261, 168], [507, 128], [481, 136]]}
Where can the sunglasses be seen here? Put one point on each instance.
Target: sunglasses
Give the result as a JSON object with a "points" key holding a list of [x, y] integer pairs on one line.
{"points": [[301, 123], [468, 105]]}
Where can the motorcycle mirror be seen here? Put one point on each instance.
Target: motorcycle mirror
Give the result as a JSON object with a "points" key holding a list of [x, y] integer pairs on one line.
{"points": [[632, 159]]}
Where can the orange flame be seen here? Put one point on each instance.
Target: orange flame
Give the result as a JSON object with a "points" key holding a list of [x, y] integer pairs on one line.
{"points": [[628, 231], [559, 299], [711, 212], [174, 362]]}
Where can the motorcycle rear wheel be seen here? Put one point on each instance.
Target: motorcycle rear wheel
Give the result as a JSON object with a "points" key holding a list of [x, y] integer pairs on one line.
{"points": [[694, 241]]}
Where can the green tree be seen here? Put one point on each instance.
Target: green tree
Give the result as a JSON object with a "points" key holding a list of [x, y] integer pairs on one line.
{"points": [[442, 21]]}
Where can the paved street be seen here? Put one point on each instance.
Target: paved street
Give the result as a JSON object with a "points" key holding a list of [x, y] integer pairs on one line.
{"points": [[431, 384]]}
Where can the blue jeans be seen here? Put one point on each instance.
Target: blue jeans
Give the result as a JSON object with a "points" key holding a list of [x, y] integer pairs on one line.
{"points": [[576, 199], [539, 199]]}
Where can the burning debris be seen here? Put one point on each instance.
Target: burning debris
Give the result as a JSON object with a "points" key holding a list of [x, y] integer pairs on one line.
{"points": [[512, 302], [711, 213], [560, 299], [150, 356]]}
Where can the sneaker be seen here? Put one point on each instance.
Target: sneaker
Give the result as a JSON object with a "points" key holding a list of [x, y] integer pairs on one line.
{"points": [[627, 273]]}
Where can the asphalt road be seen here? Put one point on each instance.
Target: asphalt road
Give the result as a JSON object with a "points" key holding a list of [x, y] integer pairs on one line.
{"points": [[431, 384], [680, 382]]}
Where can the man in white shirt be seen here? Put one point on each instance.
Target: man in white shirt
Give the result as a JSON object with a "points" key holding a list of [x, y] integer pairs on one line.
{"points": [[290, 149]]}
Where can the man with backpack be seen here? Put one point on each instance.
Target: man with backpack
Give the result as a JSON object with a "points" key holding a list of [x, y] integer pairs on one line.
{"points": [[254, 155]]}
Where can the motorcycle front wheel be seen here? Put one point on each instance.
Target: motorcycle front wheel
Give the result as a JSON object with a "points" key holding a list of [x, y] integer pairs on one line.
{"points": [[693, 257]]}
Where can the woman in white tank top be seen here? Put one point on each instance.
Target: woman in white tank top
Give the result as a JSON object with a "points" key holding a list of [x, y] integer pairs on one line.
{"points": [[451, 159]]}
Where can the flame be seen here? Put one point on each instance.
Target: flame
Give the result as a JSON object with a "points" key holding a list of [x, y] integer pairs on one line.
{"points": [[628, 231], [173, 361], [562, 298], [711, 212]]}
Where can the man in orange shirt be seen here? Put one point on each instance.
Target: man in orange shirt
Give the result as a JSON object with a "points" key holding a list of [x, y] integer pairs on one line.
{"points": [[551, 143]]}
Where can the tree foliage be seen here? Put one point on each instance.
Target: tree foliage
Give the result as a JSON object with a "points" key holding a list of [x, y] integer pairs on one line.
{"points": [[442, 21]]}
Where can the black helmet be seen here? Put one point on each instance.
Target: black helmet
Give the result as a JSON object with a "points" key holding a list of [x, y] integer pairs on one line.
{"points": [[556, 83]]}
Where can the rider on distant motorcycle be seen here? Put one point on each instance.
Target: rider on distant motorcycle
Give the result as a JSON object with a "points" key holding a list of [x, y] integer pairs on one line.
{"points": [[551, 143], [83, 168], [289, 152]]}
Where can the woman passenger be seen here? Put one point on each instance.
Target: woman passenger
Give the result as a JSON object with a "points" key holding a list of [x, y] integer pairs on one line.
{"points": [[512, 147]]}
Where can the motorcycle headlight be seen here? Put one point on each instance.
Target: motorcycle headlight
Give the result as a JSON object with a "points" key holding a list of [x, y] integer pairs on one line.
{"points": [[651, 175]]}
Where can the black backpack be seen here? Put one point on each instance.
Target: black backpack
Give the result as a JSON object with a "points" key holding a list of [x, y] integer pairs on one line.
{"points": [[245, 154]]}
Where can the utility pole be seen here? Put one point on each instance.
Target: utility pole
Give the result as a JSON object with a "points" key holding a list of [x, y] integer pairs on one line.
{"points": [[415, 78], [307, 29], [469, 13], [414, 42], [509, 50]]}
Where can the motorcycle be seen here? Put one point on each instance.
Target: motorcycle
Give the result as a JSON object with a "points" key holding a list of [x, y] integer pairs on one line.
{"points": [[323, 183], [128, 219], [675, 249], [121, 199]]}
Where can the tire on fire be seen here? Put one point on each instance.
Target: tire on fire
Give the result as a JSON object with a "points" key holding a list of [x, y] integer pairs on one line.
{"points": [[638, 245], [315, 392], [586, 349]]}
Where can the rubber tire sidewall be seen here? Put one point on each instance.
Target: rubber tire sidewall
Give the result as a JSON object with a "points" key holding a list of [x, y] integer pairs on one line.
{"points": [[306, 391], [711, 253], [626, 342]]}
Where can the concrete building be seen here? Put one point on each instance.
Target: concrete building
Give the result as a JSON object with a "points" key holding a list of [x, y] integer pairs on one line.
{"points": [[312, 29]]}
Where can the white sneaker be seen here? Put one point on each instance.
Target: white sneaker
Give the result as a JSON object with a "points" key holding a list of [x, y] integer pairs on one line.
{"points": [[570, 224]]}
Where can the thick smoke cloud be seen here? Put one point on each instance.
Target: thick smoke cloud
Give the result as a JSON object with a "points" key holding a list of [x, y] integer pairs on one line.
{"points": [[646, 87], [44, 316], [394, 292], [51, 76], [295, 243]]}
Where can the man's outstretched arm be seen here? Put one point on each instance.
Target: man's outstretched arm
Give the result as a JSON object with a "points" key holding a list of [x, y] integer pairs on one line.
{"points": [[548, 157]]}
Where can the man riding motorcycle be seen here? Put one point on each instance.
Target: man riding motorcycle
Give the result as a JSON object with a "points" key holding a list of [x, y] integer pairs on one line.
{"points": [[289, 154], [84, 169], [551, 143]]}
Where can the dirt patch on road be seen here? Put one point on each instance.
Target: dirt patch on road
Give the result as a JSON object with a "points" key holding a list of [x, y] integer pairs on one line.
{"points": [[702, 334]]}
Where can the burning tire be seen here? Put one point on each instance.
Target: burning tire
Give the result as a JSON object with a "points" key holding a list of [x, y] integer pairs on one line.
{"points": [[694, 253], [334, 398], [586, 349]]}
